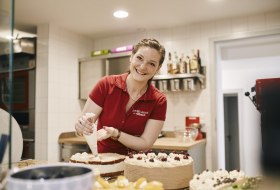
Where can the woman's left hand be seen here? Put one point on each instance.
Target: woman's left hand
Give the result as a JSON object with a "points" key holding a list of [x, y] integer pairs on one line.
{"points": [[107, 132]]}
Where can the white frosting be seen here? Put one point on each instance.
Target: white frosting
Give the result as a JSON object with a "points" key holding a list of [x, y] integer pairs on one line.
{"points": [[102, 157], [208, 180], [152, 160]]}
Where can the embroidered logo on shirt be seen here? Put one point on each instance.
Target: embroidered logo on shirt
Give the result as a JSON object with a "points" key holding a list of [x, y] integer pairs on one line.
{"points": [[140, 113]]}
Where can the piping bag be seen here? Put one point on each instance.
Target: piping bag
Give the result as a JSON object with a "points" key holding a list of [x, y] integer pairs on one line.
{"points": [[92, 138]]}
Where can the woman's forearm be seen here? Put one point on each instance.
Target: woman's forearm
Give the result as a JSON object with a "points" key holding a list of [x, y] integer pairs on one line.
{"points": [[135, 143], [146, 140]]}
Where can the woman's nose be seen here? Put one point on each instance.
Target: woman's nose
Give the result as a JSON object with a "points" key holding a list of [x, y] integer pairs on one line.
{"points": [[143, 65]]}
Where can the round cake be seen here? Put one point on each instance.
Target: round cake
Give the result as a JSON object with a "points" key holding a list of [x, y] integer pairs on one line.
{"points": [[107, 164], [217, 180], [173, 170]]}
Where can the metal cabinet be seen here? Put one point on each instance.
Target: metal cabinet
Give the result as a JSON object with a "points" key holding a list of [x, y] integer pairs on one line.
{"points": [[92, 69], [67, 150]]}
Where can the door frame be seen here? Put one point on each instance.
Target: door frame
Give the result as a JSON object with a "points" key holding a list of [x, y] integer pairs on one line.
{"points": [[239, 93], [216, 94]]}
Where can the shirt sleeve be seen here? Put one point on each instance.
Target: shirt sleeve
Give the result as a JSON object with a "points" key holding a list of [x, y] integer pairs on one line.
{"points": [[100, 91], [159, 111]]}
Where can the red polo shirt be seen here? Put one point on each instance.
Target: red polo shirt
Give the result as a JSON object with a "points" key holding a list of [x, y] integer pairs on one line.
{"points": [[110, 93]]}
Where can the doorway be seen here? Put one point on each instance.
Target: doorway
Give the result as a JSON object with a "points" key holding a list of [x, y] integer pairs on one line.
{"points": [[231, 132]]}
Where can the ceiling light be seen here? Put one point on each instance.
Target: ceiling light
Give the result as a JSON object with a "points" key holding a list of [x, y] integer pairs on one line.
{"points": [[120, 14]]}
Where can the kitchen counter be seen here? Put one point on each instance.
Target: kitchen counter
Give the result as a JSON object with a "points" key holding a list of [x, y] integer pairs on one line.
{"points": [[172, 143], [168, 142]]}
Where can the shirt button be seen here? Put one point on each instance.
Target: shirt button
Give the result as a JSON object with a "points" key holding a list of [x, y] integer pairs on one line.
{"points": [[122, 121]]}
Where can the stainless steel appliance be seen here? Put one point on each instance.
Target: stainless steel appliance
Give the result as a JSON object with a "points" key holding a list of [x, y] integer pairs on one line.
{"points": [[23, 103], [93, 68]]}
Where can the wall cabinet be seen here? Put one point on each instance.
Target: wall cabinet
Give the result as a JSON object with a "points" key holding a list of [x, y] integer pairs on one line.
{"points": [[92, 69]]}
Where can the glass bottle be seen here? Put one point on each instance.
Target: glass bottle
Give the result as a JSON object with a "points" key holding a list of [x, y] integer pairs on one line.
{"points": [[169, 64], [198, 62], [175, 63], [193, 63], [187, 64], [182, 65]]}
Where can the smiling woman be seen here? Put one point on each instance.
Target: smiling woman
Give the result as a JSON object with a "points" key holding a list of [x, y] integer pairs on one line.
{"points": [[127, 106]]}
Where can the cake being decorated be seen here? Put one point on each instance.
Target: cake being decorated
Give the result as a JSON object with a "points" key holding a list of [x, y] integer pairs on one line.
{"points": [[108, 164], [219, 179], [173, 170]]}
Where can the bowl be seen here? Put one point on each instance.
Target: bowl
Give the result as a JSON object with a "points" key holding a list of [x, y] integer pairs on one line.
{"points": [[189, 134], [49, 177]]}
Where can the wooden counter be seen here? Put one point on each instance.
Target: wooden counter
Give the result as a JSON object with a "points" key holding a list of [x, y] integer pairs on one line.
{"points": [[71, 138], [163, 143], [172, 143]]}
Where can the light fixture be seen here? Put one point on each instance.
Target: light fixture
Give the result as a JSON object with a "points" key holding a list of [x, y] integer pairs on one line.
{"points": [[120, 14]]}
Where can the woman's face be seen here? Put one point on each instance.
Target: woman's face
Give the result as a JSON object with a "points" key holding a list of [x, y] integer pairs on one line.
{"points": [[144, 64]]}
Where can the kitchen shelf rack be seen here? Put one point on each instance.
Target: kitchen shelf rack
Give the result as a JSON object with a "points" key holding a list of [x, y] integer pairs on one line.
{"points": [[201, 78]]}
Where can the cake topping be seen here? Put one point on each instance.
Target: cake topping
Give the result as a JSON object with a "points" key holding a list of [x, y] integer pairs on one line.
{"points": [[164, 159], [140, 183], [102, 183], [154, 185], [122, 182], [216, 179], [158, 160]]}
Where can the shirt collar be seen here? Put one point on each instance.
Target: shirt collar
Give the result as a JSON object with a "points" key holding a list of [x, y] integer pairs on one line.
{"points": [[120, 82]]}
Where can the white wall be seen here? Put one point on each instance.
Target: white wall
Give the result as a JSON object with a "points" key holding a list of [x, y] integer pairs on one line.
{"points": [[183, 40], [242, 62], [57, 104]]}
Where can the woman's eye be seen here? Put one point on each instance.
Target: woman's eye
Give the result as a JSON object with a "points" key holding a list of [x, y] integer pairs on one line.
{"points": [[139, 57], [152, 64]]}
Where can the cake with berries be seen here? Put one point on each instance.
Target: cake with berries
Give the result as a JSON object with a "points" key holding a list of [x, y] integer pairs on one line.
{"points": [[160, 167], [217, 180], [107, 164]]}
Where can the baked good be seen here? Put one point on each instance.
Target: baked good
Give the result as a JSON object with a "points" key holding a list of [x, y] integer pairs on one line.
{"points": [[107, 164], [173, 170], [217, 180], [122, 183]]}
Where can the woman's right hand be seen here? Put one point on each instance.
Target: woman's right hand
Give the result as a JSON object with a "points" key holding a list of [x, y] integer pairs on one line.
{"points": [[85, 124]]}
